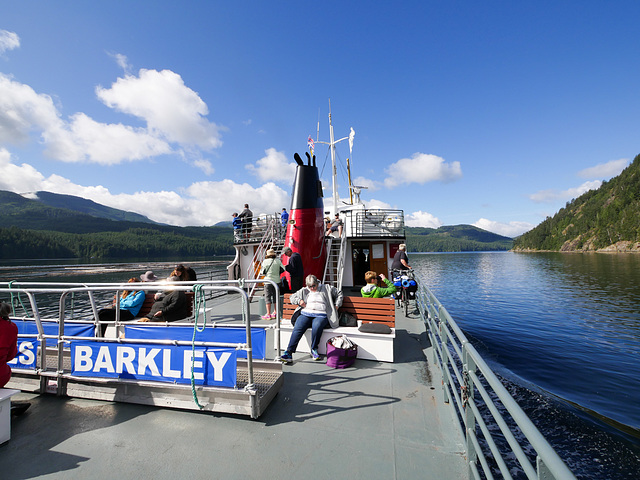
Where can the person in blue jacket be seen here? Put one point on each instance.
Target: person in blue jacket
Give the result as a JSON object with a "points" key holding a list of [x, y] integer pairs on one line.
{"points": [[284, 218], [130, 304]]}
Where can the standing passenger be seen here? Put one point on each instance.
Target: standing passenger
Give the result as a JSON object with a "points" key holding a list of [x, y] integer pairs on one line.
{"points": [[271, 269], [295, 268], [284, 218], [400, 259], [247, 220]]}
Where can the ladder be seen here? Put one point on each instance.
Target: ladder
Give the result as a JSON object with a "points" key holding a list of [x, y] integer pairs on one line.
{"points": [[334, 267]]}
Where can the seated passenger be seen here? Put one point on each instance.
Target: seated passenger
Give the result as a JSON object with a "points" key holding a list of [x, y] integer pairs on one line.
{"points": [[186, 274], [130, 305], [8, 343], [372, 290], [173, 306], [318, 310]]}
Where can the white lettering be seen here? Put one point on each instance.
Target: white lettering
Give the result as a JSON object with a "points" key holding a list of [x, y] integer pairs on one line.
{"points": [[83, 362], [27, 353], [124, 359], [218, 364], [197, 365], [166, 365], [103, 360], [148, 360]]}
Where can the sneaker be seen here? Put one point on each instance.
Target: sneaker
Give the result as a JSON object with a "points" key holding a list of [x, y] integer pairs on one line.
{"points": [[315, 355], [274, 315], [266, 316], [286, 358]]}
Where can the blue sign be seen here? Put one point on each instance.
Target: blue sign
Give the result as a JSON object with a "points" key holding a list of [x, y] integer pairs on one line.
{"points": [[26, 358], [29, 327], [212, 366], [210, 334]]}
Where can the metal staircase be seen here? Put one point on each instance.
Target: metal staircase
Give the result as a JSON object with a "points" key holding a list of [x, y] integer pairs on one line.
{"points": [[334, 268], [273, 238]]}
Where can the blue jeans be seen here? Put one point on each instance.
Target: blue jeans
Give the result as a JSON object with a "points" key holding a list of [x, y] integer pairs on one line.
{"points": [[317, 324]]}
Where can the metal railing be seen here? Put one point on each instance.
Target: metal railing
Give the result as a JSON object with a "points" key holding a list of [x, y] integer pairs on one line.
{"points": [[375, 222], [499, 435], [261, 225]]}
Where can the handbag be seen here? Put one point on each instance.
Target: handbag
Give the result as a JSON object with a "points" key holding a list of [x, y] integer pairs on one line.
{"points": [[341, 356], [347, 320], [295, 316]]}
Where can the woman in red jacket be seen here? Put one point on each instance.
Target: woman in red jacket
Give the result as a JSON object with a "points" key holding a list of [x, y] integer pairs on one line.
{"points": [[8, 343]]}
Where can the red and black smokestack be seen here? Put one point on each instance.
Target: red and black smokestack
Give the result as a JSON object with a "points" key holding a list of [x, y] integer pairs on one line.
{"points": [[305, 234]]}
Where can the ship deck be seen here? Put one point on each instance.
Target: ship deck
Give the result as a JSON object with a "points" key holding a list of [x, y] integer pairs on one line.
{"points": [[374, 420]]}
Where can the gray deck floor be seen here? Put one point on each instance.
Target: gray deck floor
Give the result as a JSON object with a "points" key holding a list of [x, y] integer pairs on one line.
{"points": [[374, 420]]}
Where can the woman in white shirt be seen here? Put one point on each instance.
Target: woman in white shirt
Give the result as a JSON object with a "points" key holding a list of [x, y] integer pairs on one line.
{"points": [[318, 309]]}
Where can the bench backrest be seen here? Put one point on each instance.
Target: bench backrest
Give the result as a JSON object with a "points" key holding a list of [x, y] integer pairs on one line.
{"points": [[375, 310], [149, 299]]}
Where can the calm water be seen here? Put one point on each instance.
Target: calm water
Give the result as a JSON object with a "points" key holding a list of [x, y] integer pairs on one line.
{"points": [[564, 332]]}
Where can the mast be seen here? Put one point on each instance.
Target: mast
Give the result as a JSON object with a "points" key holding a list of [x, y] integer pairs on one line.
{"points": [[334, 172]]}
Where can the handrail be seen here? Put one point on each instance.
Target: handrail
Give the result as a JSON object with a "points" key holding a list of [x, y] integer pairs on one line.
{"points": [[465, 373], [28, 288]]}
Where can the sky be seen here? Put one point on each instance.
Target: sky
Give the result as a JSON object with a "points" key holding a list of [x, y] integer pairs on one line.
{"points": [[493, 113]]}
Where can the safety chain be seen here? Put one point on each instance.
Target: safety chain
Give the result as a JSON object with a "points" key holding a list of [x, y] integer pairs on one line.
{"points": [[199, 301]]}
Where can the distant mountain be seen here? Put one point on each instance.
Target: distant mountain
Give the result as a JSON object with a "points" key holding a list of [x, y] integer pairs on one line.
{"points": [[82, 205], [606, 219], [32, 229], [455, 238]]}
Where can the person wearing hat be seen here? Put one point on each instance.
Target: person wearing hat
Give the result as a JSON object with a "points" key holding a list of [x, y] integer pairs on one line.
{"points": [[272, 268], [148, 276]]}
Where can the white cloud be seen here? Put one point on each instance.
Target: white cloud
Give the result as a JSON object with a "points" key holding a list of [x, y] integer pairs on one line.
{"points": [[421, 168], [202, 203], [372, 185], [22, 111], [174, 116], [550, 196], [8, 41], [511, 229], [122, 61], [605, 170], [171, 109], [422, 219], [274, 166], [102, 143]]}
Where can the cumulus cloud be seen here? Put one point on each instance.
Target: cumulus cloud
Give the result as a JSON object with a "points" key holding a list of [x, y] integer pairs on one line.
{"points": [[174, 115], [421, 168], [511, 229], [8, 41], [171, 109], [274, 166], [605, 170], [551, 196], [422, 219], [105, 144], [23, 111], [202, 203], [372, 185]]}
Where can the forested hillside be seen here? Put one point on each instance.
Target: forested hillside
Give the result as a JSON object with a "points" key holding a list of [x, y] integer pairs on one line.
{"points": [[455, 238], [33, 229], [606, 219]]}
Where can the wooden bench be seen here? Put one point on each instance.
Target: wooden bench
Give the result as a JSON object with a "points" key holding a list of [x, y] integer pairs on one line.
{"points": [[149, 300], [371, 346]]}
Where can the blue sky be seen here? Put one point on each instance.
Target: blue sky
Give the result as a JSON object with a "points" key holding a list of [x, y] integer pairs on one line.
{"points": [[491, 113]]}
